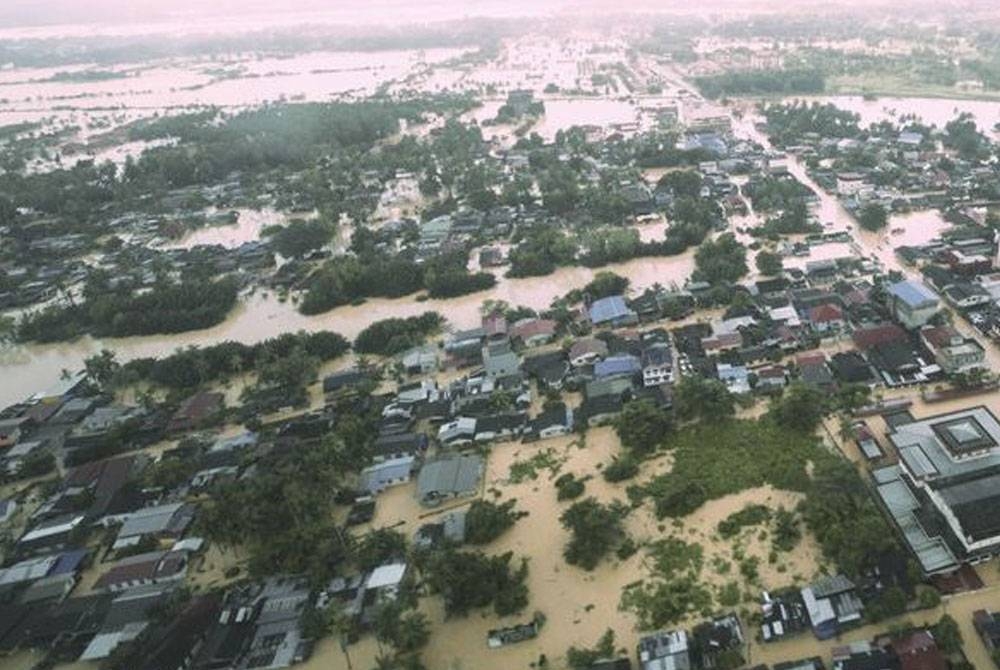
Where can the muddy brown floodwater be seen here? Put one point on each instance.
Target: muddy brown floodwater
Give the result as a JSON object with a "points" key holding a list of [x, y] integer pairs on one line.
{"points": [[31, 368], [579, 605]]}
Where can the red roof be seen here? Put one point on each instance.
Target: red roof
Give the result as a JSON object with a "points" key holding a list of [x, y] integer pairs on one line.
{"points": [[826, 313], [495, 324], [940, 336], [919, 651], [866, 338], [811, 358], [533, 327]]}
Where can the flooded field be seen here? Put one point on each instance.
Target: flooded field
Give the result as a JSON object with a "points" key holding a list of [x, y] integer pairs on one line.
{"points": [[932, 111]]}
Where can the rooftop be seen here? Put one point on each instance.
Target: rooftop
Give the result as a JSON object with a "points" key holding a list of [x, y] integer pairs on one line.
{"points": [[913, 293]]}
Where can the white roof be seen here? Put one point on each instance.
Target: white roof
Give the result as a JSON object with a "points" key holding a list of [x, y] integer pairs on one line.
{"points": [[386, 575], [188, 544], [29, 570], [48, 531]]}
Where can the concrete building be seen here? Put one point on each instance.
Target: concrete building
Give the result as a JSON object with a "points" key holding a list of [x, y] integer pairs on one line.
{"points": [[913, 304], [944, 494], [952, 351]]}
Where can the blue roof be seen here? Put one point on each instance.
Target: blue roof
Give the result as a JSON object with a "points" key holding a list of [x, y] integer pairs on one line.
{"points": [[913, 293], [617, 365], [68, 562], [609, 309]]}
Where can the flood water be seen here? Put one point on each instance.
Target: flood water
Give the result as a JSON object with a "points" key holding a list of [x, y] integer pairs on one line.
{"points": [[931, 111], [28, 369], [31, 368]]}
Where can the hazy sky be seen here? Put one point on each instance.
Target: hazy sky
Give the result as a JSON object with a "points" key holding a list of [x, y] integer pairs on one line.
{"points": [[14, 13], [42, 12]]}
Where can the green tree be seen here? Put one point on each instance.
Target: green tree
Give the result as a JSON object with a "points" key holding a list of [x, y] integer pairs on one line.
{"points": [[873, 217], [696, 397], [102, 367], [800, 408], [769, 263], [594, 528], [606, 284], [948, 635], [723, 260], [642, 426], [485, 520], [581, 659]]}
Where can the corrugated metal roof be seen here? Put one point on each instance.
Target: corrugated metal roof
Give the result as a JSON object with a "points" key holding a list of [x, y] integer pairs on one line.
{"points": [[913, 293]]}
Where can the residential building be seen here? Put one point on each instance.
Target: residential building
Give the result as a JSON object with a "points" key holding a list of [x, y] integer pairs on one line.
{"points": [[987, 624], [198, 411], [448, 477], [952, 351], [156, 567], [587, 351], [160, 522], [912, 303], [863, 656], [832, 602], [735, 377], [664, 651], [533, 332], [391, 472], [918, 650], [657, 365], [460, 431], [827, 318], [10, 431], [620, 365], [612, 311]]}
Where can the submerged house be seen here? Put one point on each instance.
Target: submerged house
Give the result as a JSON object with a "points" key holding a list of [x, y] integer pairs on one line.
{"points": [[449, 477]]}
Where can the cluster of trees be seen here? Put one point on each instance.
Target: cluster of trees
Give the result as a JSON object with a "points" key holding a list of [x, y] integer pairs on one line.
{"points": [[792, 221], [543, 249], [873, 217], [692, 220], [284, 517], [674, 590], [446, 276], [962, 134], [350, 279], [641, 427], [787, 123], [595, 530], [485, 521], [195, 366], [168, 308], [300, 237], [775, 193], [395, 335], [720, 261], [471, 580], [761, 82], [715, 457], [582, 659], [847, 523], [799, 408], [769, 263]]}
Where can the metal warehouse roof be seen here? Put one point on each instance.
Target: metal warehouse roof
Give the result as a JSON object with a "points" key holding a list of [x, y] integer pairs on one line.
{"points": [[913, 293]]}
